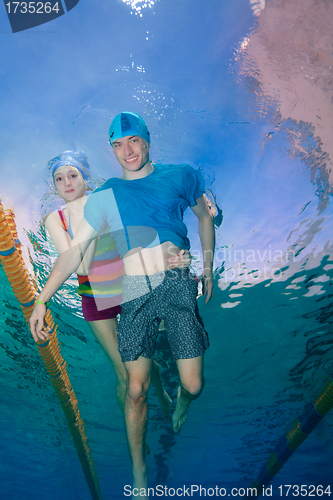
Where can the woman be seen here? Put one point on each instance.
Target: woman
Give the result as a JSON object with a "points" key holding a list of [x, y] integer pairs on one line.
{"points": [[101, 270]]}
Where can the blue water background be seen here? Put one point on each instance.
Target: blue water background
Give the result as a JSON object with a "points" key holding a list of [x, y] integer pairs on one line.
{"points": [[270, 322]]}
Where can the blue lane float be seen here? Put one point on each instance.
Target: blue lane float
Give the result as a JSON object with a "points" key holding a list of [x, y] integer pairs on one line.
{"points": [[6, 253], [289, 443], [309, 420]]}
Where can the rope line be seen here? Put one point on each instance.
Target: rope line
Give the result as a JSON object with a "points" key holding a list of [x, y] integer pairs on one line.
{"points": [[294, 438], [25, 290]]}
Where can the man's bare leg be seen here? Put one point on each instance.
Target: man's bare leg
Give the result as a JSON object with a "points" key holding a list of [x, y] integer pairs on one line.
{"points": [[191, 385], [106, 333], [136, 415]]}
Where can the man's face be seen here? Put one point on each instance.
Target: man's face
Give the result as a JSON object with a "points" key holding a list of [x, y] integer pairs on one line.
{"points": [[132, 152]]}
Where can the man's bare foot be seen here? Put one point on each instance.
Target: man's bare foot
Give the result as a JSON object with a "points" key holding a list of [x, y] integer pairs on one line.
{"points": [[140, 483], [180, 414], [166, 404]]}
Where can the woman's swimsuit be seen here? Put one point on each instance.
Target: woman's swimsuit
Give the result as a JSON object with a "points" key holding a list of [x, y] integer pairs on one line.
{"points": [[101, 288]]}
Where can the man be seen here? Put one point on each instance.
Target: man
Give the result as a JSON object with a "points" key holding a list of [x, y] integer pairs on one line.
{"points": [[144, 210]]}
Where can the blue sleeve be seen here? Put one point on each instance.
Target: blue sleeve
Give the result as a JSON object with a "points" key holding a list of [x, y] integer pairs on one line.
{"points": [[101, 210], [93, 212], [193, 185]]}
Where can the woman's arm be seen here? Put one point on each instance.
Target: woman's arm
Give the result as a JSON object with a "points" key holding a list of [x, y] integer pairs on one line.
{"points": [[66, 264], [60, 238], [62, 241]]}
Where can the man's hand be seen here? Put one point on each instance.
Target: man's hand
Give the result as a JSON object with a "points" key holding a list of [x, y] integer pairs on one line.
{"points": [[207, 238], [207, 287], [37, 323], [182, 259]]}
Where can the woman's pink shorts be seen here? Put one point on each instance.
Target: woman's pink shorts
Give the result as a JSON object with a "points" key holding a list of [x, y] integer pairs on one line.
{"points": [[97, 309]]}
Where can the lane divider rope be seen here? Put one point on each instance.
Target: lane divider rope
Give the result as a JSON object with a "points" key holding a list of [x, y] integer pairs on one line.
{"points": [[25, 290], [289, 443]]}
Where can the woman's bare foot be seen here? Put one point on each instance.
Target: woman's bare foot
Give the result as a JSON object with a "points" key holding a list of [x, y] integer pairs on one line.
{"points": [[163, 396], [180, 414], [166, 404]]}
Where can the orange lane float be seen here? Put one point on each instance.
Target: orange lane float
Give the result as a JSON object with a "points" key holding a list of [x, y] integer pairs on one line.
{"points": [[25, 290]]}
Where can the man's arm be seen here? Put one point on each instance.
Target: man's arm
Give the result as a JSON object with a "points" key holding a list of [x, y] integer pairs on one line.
{"points": [[67, 263], [207, 238]]}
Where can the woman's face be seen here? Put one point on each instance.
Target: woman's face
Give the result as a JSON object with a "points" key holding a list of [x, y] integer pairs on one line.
{"points": [[69, 183]]}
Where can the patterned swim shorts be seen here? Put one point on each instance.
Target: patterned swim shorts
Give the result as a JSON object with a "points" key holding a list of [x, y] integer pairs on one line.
{"points": [[171, 296]]}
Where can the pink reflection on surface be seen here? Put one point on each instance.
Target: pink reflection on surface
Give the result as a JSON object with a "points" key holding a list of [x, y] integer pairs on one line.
{"points": [[287, 62]]}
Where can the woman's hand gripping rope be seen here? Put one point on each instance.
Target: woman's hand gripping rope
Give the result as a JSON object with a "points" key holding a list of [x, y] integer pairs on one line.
{"points": [[38, 328]]}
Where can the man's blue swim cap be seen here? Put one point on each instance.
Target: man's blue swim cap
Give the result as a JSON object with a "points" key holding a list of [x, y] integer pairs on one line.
{"points": [[126, 124], [76, 159]]}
